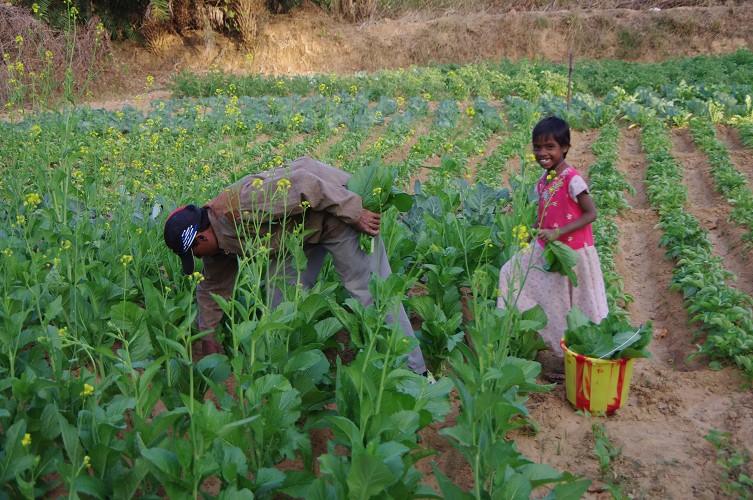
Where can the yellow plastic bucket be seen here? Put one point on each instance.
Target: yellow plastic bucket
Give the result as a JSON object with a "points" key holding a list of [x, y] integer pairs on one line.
{"points": [[598, 386]]}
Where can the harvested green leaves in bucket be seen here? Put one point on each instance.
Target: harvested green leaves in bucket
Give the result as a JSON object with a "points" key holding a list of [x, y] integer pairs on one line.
{"points": [[375, 184], [612, 338], [560, 258]]}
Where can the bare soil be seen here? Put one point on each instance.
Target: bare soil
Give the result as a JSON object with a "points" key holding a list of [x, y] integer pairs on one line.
{"points": [[673, 403]]}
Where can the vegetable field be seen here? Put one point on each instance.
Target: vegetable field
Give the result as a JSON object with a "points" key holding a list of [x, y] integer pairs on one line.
{"points": [[105, 394]]}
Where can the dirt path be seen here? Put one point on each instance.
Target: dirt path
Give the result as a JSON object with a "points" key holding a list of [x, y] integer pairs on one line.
{"points": [[672, 404]]}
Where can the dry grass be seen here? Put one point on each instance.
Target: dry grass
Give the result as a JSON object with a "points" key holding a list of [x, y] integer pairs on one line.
{"points": [[413, 7], [45, 53], [250, 15]]}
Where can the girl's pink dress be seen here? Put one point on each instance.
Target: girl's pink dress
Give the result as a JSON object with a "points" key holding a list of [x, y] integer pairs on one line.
{"points": [[524, 284]]}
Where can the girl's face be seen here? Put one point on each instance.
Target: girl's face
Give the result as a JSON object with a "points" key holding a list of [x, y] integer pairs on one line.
{"points": [[548, 152]]}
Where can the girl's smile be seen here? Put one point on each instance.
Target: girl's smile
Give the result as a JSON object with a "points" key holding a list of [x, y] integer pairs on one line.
{"points": [[548, 152]]}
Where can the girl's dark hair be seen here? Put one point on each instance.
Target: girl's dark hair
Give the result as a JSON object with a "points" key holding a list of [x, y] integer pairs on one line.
{"points": [[552, 126]]}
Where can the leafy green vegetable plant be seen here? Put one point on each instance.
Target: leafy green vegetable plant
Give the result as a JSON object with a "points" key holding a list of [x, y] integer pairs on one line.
{"points": [[735, 465], [375, 183]]}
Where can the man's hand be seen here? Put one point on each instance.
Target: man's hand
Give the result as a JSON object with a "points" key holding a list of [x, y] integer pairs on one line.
{"points": [[369, 222]]}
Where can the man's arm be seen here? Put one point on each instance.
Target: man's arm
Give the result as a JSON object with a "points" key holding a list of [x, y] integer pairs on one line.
{"points": [[219, 277], [323, 195]]}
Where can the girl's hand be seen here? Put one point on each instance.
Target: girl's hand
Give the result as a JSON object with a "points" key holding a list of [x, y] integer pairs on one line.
{"points": [[549, 235]]}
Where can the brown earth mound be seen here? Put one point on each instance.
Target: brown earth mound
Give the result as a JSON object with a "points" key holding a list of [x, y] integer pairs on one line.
{"points": [[310, 40]]}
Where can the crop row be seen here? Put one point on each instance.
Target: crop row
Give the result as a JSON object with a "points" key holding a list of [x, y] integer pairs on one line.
{"points": [[527, 79], [722, 311], [608, 187], [729, 181]]}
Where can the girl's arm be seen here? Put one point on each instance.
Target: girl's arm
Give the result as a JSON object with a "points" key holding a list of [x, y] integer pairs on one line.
{"points": [[589, 215]]}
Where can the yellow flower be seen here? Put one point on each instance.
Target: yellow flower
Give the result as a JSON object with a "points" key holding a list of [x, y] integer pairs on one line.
{"points": [[87, 462], [32, 200], [283, 185], [19, 40], [256, 184], [125, 260], [20, 220], [305, 204], [197, 276], [377, 191], [26, 441], [88, 391]]}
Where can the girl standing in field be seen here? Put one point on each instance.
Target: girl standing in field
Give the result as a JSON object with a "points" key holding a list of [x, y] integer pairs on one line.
{"points": [[565, 214]]}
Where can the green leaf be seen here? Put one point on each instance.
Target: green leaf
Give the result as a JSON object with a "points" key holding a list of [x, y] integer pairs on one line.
{"points": [[576, 319], [126, 316], [70, 440], [50, 427], [90, 485], [164, 461], [15, 459], [130, 482], [53, 309], [539, 474], [297, 483], [368, 476], [513, 487], [569, 490], [400, 200], [233, 493], [450, 490], [562, 259], [346, 431]]}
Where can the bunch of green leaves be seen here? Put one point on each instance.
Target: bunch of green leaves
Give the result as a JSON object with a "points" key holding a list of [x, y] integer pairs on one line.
{"points": [[375, 184], [612, 338], [560, 258]]}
